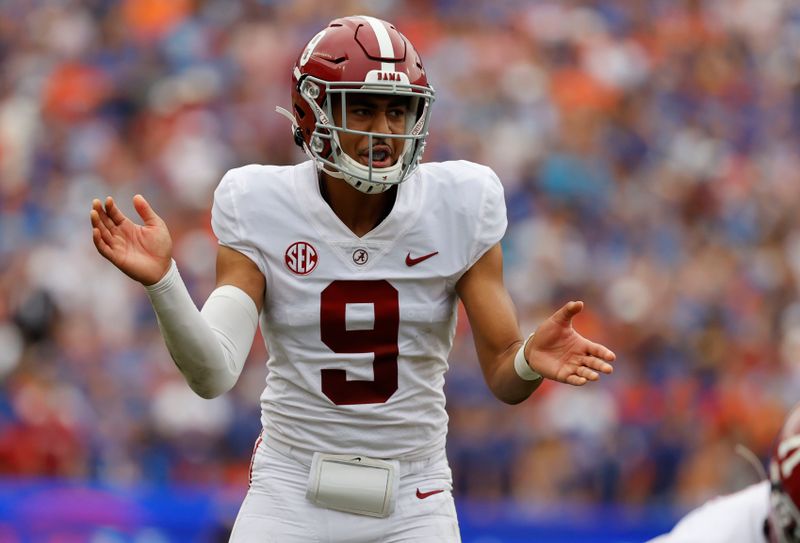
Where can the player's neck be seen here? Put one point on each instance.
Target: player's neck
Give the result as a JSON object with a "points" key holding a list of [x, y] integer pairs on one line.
{"points": [[358, 211]]}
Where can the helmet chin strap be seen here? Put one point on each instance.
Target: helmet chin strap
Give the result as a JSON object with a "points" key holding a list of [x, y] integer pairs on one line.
{"points": [[751, 458], [283, 111]]}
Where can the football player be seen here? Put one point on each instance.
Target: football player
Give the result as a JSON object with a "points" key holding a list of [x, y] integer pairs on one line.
{"points": [[766, 512], [352, 264]]}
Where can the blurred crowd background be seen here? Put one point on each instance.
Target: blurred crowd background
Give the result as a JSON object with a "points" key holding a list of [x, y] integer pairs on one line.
{"points": [[649, 151]]}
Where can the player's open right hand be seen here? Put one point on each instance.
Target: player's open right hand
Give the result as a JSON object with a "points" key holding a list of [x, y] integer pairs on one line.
{"points": [[142, 252], [559, 352]]}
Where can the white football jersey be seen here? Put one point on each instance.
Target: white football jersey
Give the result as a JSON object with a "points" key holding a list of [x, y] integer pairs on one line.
{"points": [[735, 518], [359, 329]]}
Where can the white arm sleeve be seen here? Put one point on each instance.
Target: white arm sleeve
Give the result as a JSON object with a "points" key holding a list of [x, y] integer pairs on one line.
{"points": [[208, 346]]}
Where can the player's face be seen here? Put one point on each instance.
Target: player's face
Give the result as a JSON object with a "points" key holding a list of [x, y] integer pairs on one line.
{"points": [[377, 114]]}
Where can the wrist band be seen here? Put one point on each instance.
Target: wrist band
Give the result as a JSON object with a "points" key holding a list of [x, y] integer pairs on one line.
{"points": [[521, 366]]}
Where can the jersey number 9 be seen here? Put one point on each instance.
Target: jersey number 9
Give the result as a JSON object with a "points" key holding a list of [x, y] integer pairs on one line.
{"points": [[381, 340]]}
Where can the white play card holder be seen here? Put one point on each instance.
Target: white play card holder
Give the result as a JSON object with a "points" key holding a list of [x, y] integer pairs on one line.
{"points": [[353, 484]]}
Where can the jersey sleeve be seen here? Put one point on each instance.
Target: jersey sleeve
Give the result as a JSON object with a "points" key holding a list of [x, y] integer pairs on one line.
{"points": [[492, 221], [226, 218]]}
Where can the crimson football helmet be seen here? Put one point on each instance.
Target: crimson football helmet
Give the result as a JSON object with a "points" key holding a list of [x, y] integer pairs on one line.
{"points": [[784, 474], [359, 55]]}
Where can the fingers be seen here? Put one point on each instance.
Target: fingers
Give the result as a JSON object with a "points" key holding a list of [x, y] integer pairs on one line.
{"points": [[586, 369], [587, 373], [111, 216], [100, 225], [564, 315], [581, 376], [596, 364], [99, 216], [101, 244], [103, 228], [595, 349], [576, 380], [145, 211], [114, 212]]}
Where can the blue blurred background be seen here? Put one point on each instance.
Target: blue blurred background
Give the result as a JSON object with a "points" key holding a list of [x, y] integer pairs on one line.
{"points": [[649, 151]]}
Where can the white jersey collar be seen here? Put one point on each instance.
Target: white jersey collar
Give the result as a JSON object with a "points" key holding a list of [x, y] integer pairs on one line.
{"points": [[403, 215]]}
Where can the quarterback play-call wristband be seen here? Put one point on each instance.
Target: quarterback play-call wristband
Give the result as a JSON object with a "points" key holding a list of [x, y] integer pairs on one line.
{"points": [[521, 365]]}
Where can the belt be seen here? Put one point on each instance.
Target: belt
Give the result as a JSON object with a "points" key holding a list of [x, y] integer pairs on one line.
{"points": [[304, 456]]}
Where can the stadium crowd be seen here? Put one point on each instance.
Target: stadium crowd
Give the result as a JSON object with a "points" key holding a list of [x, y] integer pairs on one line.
{"points": [[649, 152]]}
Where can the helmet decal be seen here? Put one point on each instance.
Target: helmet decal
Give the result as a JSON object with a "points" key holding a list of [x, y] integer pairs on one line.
{"points": [[310, 47], [384, 42]]}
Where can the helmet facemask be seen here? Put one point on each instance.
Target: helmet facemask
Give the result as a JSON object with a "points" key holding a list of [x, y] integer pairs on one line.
{"points": [[784, 515], [784, 518], [325, 97]]}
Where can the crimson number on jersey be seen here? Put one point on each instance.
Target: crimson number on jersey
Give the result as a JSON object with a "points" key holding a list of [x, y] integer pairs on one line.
{"points": [[381, 340]]}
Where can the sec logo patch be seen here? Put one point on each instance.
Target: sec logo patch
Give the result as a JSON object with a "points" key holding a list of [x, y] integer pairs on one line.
{"points": [[301, 258]]}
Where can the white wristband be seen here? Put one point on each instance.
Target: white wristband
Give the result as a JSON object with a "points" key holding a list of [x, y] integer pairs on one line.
{"points": [[521, 366]]}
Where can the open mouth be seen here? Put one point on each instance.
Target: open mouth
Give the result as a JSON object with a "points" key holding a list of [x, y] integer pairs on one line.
{"points": [[381, 156]]}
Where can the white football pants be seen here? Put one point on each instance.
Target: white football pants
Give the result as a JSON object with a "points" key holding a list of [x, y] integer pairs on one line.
{"points": [[276, 510]]}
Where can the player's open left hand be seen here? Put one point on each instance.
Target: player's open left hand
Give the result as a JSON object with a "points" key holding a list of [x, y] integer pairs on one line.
{"points": [[142, 252], [560, 353]]}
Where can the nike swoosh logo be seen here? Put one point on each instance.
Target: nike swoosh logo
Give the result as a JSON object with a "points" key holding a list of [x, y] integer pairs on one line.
{"points": [[414, 261], [423, 495]]}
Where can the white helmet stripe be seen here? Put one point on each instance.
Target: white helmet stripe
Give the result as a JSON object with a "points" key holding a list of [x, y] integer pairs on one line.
{"points": [[789, 461], [384, 41], [787, 445]]}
